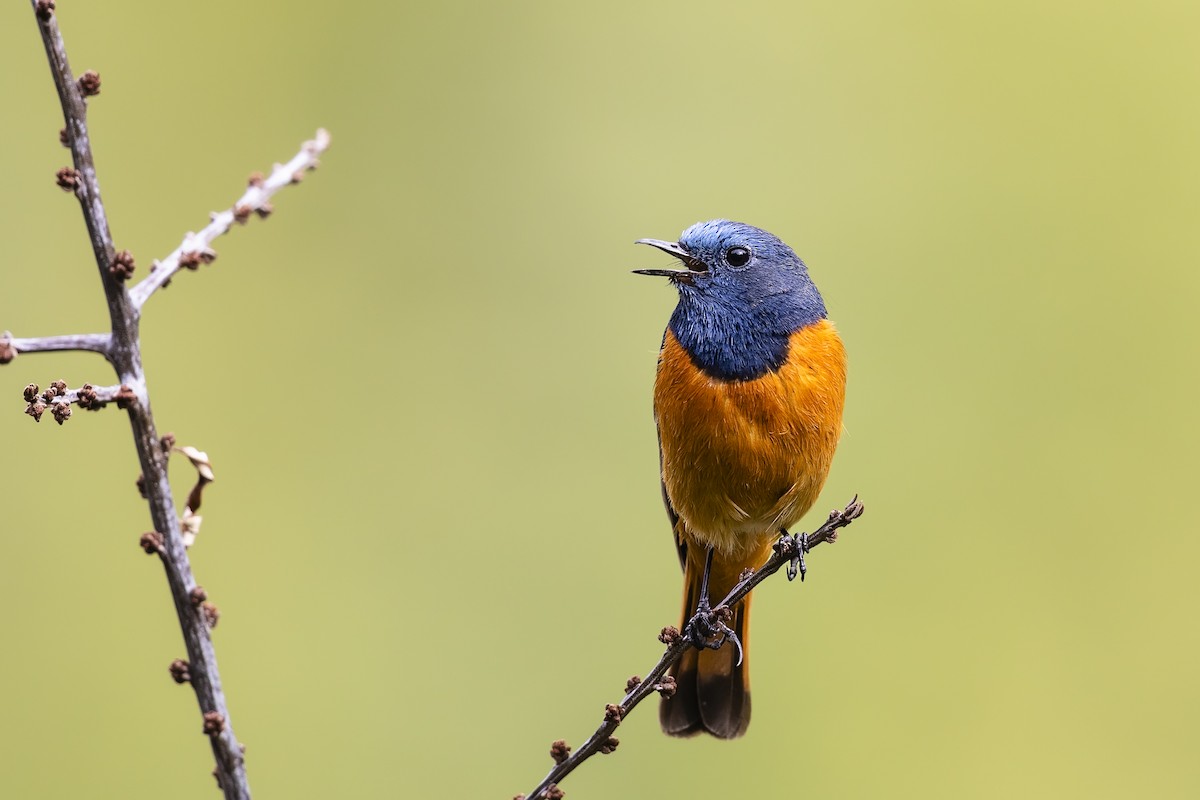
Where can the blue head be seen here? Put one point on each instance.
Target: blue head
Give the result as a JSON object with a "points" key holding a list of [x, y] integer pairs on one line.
{"points": [[742, 294]]}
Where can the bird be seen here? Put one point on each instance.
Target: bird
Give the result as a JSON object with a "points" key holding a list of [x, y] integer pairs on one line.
{"points": [[748, 400]]}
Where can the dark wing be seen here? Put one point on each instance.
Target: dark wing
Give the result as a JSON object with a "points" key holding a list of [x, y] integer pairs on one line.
{"points": [[674, 517]]}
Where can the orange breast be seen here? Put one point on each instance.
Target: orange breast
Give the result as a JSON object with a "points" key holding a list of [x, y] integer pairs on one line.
{"points": [[743, 459]]}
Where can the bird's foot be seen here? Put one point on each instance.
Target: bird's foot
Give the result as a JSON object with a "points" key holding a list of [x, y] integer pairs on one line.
{"points": [[800, 548], [709, 628]]}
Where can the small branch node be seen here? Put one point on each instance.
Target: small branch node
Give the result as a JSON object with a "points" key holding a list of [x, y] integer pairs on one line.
{"points": [[88, 398], [214, 723], [35, 410], [125, 397], [197, 596], [89, 83], [61, 411], [122, 266], [151, 542], [67, 179], [45, 9], [8, 351], [211, 614], [560, 750], [180, 670]]}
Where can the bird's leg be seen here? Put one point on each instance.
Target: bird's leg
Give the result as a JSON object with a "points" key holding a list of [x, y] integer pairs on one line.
{"points": [[800, 542], [707, 627]]}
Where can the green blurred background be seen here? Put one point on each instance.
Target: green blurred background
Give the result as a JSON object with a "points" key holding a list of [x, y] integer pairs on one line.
{"points": [[436, 536]]}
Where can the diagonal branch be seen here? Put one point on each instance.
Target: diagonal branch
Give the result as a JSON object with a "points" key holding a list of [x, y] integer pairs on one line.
{"points": [[786, 551], [122, 348], [196, 248], [125, 355]]}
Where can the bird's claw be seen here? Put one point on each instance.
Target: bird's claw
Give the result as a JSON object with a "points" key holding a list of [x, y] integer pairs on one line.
{"points": [[707, 629], [800, 543]]}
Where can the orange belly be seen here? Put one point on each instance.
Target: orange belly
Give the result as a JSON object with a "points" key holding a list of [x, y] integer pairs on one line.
{"points": [[743, 459]]}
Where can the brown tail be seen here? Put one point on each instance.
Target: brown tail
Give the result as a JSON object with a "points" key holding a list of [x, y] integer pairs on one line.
{"points": [[712, 690]]}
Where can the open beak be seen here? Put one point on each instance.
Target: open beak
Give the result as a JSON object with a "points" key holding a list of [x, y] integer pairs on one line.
{"points": [[692, 263]]}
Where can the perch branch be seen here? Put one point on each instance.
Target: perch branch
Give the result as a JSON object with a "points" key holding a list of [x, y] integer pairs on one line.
{"points": [[196, 248], [787, 549]]}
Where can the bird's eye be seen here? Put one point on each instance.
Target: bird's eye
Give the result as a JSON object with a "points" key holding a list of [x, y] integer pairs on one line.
{"points": [[737, 256]]}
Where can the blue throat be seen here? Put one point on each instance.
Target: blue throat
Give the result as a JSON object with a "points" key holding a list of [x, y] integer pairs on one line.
{"points": [[740, 341]]}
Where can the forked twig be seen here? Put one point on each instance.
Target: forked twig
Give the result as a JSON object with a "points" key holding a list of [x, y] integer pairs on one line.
{"points": [[122, 348]]}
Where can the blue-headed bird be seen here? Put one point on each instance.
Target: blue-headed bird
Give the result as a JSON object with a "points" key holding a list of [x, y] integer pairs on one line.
{"points": [[748, 402]]}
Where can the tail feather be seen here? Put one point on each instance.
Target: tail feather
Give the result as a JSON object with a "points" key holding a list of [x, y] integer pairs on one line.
{"points": [[712, 690]]}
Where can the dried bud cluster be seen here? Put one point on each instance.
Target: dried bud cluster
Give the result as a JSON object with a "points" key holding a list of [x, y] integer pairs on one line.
{"points": [[211, 614], [669, 635], [122, 266], [124, 397], [180, 670], [63, 138], [666, 687], [67, 179], [610, 744], [89, 83], [45, 9], [151, 542], [194, 258], [35, 410], [613, 712], [37, 404], [560, 751], [631, 684], [214, 723], [61, 412], [198, 595], [88, 398], [7, 351]]}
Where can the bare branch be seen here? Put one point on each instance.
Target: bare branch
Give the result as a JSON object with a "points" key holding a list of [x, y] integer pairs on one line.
{"points": [[196, 248], [787, 549], [125, 355], [11, 347], [122, 348]]}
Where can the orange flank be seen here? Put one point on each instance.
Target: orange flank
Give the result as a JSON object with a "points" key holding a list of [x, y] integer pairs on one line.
{"points": [[741, 461]]}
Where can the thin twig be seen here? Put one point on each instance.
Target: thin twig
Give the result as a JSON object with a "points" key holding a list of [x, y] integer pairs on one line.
{"points": [[786, 549], [196, 248], [10, 346]]}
